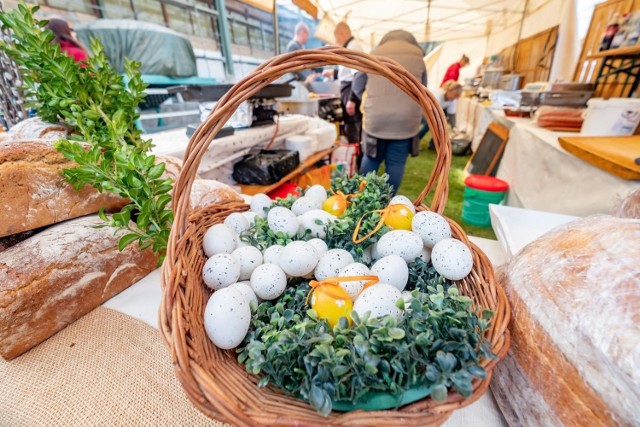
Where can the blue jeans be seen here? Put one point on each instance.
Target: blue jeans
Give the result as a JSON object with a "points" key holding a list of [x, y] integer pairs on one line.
{"points": [[394, 153]]}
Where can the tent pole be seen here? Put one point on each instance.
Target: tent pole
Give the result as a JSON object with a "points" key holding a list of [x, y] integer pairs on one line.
{"points": [[223, 26], [276, 31], [524, 15]]}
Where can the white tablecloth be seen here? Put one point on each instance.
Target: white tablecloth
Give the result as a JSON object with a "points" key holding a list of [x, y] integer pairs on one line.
{"points": [[541, 174]]}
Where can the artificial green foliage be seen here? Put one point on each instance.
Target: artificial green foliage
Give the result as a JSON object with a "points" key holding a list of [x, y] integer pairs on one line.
{"points": [[438, 344], [100, 108]]}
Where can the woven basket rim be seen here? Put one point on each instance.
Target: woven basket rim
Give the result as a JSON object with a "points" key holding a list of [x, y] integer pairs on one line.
{"points": [[210, 377]]}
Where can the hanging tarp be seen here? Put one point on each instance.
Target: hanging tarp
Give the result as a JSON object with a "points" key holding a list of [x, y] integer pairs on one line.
{"points": [[160, 50]]}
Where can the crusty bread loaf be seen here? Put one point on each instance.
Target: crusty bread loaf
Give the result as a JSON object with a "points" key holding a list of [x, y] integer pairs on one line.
{"points": [[57, 276], [630, 206], [34, 128], [7, 241], [575, 327], [206, 192]]}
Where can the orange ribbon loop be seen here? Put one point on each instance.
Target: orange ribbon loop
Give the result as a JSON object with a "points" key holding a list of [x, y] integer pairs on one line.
{"points": [[331, 283], [383, 215]]}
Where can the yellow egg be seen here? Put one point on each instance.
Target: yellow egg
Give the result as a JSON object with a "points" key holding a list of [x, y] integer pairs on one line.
{"points": [[399, 217], [335, 205], [331, 303]]}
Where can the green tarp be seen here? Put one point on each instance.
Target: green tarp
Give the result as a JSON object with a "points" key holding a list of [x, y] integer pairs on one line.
{"points": [[159, 49]]}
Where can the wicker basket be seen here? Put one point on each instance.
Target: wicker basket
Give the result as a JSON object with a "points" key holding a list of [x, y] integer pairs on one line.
{"points": [[213, 379]]}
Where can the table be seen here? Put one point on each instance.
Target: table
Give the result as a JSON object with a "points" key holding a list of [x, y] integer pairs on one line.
{"points": [[544, 176]]}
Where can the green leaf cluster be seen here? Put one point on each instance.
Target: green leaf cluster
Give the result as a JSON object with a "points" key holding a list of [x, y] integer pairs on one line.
{"points": [[100, 108], [438, 344]]}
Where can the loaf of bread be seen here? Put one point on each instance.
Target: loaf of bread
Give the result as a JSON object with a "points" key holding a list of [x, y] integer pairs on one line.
{"points": [[630, 206], [575, 327], [206, 192], [34, 128], [57, 276], [8, 241]]}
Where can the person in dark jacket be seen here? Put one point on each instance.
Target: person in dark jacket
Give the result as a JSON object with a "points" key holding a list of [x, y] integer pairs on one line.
{"points": [[391, 119], [64, 37]]}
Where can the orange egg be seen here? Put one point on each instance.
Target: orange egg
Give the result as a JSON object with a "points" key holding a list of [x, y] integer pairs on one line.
{"points": [[399, 217], [335, 205], [331, 303]]}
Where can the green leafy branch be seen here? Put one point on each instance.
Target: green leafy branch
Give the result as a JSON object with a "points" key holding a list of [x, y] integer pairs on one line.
{"points": [[94, 101]]}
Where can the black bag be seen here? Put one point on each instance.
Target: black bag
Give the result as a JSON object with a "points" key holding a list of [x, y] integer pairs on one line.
{"points": [[265, 167]]}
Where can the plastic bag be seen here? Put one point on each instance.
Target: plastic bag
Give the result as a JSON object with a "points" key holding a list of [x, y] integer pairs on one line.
{"points": [[265, 167]]}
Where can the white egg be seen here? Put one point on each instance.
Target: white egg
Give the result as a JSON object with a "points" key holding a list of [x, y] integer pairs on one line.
{"points": [[332, 262], [268, 281], [245, 289], [452, 259], [407, 296], [319, 245], [249, 258], [405, 243], [431, 227], [316, 220], [220, 271], [282, 220], [317, 192], [259, 203], [271, 255], [305, 204], [298, 259], [219, 238], [393, 270], [237, 222], [403, 200], [425, 254], [367, 258], [375, 255], [242, 243], [353, 288], [251, 217], [227, 318], [379, 299]]}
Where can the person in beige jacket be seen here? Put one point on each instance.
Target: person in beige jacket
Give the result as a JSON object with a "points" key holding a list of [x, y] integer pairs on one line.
{"points": [[391, 119]]}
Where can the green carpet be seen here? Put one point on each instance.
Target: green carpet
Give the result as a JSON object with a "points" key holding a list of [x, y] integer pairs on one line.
{"points": [[416, 175]]}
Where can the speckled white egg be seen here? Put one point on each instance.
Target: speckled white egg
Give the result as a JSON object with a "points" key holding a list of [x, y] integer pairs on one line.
{"points": [[317, 192], [319, 245], [305, 204], [405, 243], [250, 216], [431, 227], [354, 287], [393, 270], [242, 243], [403, 200], [268, 281], [220, 271], [219, 239], [298, 259], [379, 299], [316, 220], [227, 318], [375, 255], [332, 262], [245, 289], [452, 259], [237, 222], [407, 296], [271, 255], [260, 203], [282, 220], [425, 254], [367, 258], [249, 258]]}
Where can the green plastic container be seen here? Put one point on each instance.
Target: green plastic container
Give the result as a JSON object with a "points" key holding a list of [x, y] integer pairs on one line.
{"points": [[478, 193]]}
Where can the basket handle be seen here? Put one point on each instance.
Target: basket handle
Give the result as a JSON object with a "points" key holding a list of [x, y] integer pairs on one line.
{"points": [[299, 60]]}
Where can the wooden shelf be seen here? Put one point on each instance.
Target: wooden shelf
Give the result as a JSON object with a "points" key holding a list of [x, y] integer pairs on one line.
{"points": [[310, 161], [623, 51]]}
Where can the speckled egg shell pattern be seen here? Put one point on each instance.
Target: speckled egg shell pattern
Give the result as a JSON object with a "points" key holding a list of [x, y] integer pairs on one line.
{"points": [[271, 255], [379, 299], [220, 271], [425, 254], [298, 259], [393, 270], [452, 259], [319, 245], [403, 200], [245, 289], [260, 203], [227, 318], [282, 220], [219, 239], [237, 222], [317, 192], [251, 217], [315, 220], [268, 281], [406, 244], [305, 204], [431, 227], [249, 258], [353, 288], [332, 262]]}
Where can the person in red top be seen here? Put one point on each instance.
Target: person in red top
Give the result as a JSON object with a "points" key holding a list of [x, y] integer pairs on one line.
{"points": [[68, 44], [453, 72]]}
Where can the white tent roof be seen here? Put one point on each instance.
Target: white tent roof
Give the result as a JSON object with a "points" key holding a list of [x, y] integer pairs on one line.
{"points": [[449, 19]]}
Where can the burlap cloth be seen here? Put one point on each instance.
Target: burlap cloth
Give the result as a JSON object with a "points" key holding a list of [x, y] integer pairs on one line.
{"points": [[106, 369]]}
